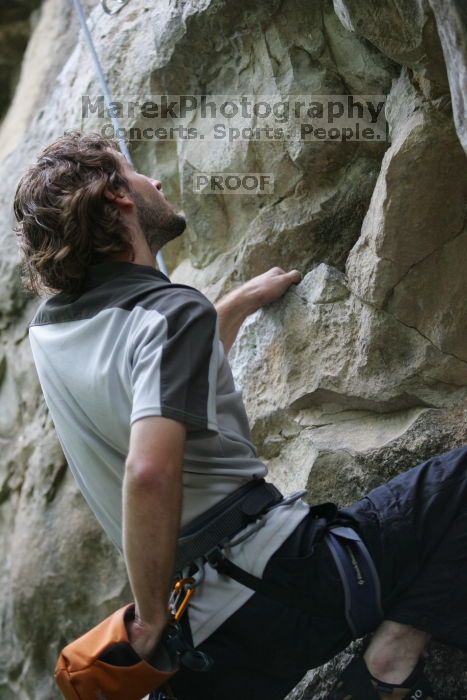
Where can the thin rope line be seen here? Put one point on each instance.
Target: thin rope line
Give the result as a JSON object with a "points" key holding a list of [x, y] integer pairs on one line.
{"points": [[108, 99]]}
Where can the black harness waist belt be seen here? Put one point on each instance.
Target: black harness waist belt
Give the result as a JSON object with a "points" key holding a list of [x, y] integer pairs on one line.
{"points": [[224, 520]]}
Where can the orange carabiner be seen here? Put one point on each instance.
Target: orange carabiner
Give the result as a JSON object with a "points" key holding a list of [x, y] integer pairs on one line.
{"points": [[178, 591]]}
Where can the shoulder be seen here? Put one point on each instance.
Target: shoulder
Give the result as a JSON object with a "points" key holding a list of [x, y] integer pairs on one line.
{"points": [[173, 299], [53, 309], [172, 312]]}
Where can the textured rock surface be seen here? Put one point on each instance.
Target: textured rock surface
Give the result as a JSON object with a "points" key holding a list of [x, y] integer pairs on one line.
{"points": [[451, 21], [356, 374], [16, 21]]}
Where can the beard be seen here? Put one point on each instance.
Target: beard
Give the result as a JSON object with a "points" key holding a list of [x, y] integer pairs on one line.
{"points": [[158, 223]]}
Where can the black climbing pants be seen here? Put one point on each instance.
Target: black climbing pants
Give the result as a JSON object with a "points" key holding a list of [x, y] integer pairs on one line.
{"points": [[415, 527]]}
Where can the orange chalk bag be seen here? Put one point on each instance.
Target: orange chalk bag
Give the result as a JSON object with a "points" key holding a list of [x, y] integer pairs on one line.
{"points": [[102, 664]]}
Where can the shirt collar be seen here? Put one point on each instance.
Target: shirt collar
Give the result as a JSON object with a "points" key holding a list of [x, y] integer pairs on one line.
{"points": [[98, 273]]}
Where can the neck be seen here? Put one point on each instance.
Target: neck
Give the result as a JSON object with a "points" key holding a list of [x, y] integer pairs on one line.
{"points": [[144, 258]]}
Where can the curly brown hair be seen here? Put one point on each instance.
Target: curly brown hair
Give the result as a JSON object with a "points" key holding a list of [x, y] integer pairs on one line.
{"points": [[65, 222]]}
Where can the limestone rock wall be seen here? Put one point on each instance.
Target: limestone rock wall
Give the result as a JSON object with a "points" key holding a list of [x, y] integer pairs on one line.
{"points": [[356, 374]]}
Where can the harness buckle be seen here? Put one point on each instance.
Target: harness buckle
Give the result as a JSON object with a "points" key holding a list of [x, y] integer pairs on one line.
{"points": [[214, 557]]}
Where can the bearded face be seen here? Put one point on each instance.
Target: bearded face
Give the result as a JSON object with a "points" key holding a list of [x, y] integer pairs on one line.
{"points": [[158, 221]]}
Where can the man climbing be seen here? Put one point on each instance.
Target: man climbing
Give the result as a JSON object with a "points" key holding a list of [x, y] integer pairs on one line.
{"points": [[135, 374]]}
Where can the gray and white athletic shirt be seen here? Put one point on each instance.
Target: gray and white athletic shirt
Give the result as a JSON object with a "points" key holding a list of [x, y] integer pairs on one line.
{"points": [[133, 344]]}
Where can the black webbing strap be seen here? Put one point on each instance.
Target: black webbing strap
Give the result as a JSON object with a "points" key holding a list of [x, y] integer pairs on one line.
{"points": [[224, 520], [322, 515], [357, 571], [281, 594]]}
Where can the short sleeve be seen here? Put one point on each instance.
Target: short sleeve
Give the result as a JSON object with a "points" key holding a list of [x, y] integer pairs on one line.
{"points": [[174, 359]]}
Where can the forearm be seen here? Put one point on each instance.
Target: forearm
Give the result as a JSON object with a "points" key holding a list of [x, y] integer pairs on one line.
{"points": [[151, 521], [232, 310]]}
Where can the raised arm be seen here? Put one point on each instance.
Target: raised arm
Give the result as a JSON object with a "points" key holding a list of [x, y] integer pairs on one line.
{"points": [[239, 303]]}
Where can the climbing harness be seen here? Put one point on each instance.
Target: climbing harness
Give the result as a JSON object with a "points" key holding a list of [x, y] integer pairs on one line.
{"points": [[205, 539], [227, 518], [105, 88]]}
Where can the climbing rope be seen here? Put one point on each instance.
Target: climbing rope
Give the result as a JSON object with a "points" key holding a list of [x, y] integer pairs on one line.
{"points": [[105, 88]]}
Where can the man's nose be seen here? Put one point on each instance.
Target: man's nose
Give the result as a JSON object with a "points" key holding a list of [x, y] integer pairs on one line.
{"points": [[156, 183]]}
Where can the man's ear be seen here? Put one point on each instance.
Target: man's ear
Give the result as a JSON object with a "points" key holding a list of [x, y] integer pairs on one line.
{"points": [[122, 199]]}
